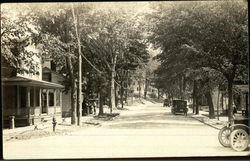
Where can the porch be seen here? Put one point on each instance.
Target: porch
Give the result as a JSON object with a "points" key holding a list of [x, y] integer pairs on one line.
{"points": [[28, 102]]}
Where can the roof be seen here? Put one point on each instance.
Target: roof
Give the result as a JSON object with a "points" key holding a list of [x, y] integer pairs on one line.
{"points": [[29, 82]]}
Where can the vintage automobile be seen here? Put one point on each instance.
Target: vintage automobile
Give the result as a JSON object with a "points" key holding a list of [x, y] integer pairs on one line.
{"points": [[179, 106], [235, 134]]}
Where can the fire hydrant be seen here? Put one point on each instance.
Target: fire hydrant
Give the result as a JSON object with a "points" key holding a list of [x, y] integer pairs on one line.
{"points": [[12, 122], [54, 124]]}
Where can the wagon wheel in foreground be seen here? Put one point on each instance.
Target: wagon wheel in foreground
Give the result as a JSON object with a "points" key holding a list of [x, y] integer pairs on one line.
{"points": [[239, 140], [224, 135]]}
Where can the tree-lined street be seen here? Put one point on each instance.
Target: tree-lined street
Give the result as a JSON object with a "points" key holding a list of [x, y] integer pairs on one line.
{"points": [[130, 67], [148, 131]]}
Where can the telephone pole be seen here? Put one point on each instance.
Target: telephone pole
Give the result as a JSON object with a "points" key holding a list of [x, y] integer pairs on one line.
{"points": [[79, 98]]}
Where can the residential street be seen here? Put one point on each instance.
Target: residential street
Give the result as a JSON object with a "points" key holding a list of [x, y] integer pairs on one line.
{"points": [[94, 80], [142, 131]]}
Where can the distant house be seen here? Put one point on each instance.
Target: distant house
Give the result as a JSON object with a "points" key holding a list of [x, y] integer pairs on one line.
{"points": [[50, 74], [138, 88], [220, 99], [29, 98]]}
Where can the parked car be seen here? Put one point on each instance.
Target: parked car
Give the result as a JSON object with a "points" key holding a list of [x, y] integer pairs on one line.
{"points": [[179, 106], [236, 134]]}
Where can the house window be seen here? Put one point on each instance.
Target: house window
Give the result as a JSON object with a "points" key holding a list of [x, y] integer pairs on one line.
{"points": [[51, 99], [46, 77], [37, 97], [58, 103], [53, 65], [32, 103]]}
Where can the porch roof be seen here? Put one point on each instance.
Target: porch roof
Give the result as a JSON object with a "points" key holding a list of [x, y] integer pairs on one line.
{"points": [[29, 82]]}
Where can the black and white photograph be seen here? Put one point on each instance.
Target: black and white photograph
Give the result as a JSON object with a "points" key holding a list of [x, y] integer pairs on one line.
{"points": [[122, 80]]}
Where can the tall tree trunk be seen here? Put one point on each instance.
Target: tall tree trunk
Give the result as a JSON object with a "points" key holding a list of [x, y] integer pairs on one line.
{"points": [[194, 95], [100, 104], [116, 95], [146, 88], [127, 86], [121, 94], [158, 93], [210, 104], [247, 106], [73, 90], [196, 105], [139, 83], [181, 87], [184, 84], [222, 101], [230, 99], [196, 99], [126, 94], [112, 89]]}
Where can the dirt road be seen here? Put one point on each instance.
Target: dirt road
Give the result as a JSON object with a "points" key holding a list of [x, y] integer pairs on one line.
{"points": [[144, 131]]}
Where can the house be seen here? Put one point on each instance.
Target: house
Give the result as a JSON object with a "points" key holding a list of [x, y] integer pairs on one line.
{"points": [[220, 99], [139, 87], [27, 98], [50, 74]]}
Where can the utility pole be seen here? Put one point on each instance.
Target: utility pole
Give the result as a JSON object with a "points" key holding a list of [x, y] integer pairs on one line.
{"points": [[79, 99]]}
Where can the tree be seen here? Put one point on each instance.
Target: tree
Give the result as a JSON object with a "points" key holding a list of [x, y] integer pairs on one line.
{"points": [[195, 33], [117, 43], [57, 32], [18, 34]]}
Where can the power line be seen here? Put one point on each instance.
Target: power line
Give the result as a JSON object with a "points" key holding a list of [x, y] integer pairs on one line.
{"points": [[102, 73], [91, 64]]}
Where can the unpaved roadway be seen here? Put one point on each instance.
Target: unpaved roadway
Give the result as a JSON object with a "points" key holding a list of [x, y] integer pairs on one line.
{"points": [[143, 131]]}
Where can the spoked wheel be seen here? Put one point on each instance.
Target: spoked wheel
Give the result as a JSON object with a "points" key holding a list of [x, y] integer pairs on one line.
{"points": [[224, 135], [239, 140]]}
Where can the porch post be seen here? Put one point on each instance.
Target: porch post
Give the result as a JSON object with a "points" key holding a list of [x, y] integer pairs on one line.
{"points": [[28, 97], [28, 103], [55, 100], [18, 100], [40, 99], [47, 103]]}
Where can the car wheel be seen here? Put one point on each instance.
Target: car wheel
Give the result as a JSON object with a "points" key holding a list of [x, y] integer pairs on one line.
{"points": [[224, 135], [239, 140]]}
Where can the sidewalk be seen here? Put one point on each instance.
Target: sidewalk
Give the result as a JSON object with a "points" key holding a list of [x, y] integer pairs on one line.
{"points": [[214, 123], [65, 122]]}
